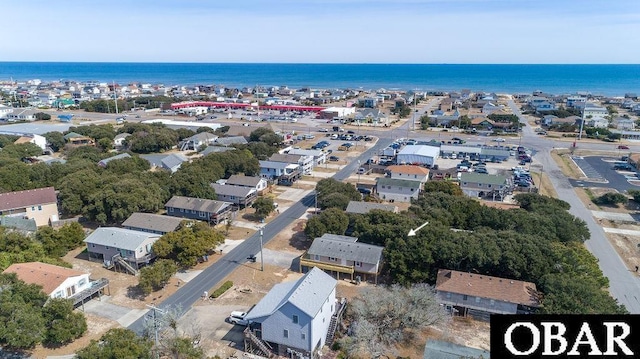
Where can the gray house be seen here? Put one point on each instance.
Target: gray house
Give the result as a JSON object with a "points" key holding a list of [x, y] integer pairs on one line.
{"points": [[484, 185], [200, 209], [480, 295], [196, 141], [152, 223], [121, 247], [343, 254], [257, 183], [294, 318], [401, 190], [238, 195]]}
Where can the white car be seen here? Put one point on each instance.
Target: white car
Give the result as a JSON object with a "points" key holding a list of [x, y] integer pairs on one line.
{"points": [[499, 140], [237, 317], [323, 130]]}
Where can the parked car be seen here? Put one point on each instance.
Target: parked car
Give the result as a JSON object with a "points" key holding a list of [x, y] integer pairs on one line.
{"points": [[334, 158], [237, 317], [351, 132], [481, 170], [623, 147], [323, 130], [362, 171], [499, 139]]}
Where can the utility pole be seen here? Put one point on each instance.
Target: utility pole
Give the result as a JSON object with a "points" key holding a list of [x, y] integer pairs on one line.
{"points": [[261, 256], [115, 96], [156, 327]]}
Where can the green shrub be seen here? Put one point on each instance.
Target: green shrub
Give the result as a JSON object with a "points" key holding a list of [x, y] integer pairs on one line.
{"points": [[223, 288], [610, 198]]}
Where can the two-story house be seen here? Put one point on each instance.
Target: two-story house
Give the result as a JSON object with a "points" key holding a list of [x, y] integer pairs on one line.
{"points": [[401, 190], [201, 209], [240, 196], [40, 204], [198, 140], [319, 156], [306, 162], [480, 295], [121, 247], [484, 185], [257, 183], [294, 317], [409, 172], [152, 223], [343, 254], [280, 172]]}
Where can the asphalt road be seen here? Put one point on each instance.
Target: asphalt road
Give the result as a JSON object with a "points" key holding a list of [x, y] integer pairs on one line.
{"points": [[623, 285], [193, 290]]}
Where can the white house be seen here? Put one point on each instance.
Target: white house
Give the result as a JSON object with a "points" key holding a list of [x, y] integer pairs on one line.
{"points": [[400, 190], [294, 317], [56, 282], [319, 156], [118, 141], [409, 172], [37, 140], [257, 183]]}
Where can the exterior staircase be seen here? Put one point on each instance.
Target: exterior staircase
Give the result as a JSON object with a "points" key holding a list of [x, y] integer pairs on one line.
{"points": [[118, 259], [335, 320], [264, 348]]}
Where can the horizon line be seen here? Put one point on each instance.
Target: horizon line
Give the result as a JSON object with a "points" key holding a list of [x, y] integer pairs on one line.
{"points": [[324, 63]]}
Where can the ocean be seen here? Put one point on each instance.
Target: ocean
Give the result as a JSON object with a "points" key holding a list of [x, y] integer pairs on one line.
{"points": [[610, 80]]}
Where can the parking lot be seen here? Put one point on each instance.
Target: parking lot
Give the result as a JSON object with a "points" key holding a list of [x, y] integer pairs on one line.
{"points": [[599, 172]]}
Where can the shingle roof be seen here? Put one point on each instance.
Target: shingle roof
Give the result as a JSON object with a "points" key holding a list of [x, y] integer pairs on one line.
{"points": [[385, 181], [153, 222], [173, 160], [32, 197], [483, 178], [231, 190], [365, 207], [231, 140], [351, 251], [278, 157], [119, 238], [46, 275], [242, 180], [478, 285], [196, 204], [308, 294], [409, 169]]}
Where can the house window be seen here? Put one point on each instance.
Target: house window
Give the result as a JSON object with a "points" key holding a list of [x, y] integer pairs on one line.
{"points": [[105, 247], [58, 294], [492, 302], [464, 183], [357, 264], [201, 214], [93, 245], [465, 297], [489, 185], [33, 208], [295, 319], [181, 210], [39, 208], [448, 295], [286, 333], [478, 299], [170, 209], [193, 211], [332, 259], [479, 184], [303, 336], [82, 282], [316, 257]]}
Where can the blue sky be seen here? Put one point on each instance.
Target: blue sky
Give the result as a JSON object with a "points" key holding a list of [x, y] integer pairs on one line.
{"points": [[323, 31]]}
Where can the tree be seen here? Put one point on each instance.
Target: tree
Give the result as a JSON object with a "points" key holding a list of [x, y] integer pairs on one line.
{"points": [[42, 116], [55, 140], [22, 325], [382, 316], [117, 343], [57, 242], [332, 220], [20, 151], [332, 193], [156, 276], [611, 199], [448, 187], [188, 244], [263, 206], [63, 324]]}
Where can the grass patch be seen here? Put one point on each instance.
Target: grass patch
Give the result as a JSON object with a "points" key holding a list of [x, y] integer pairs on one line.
{"points": [[223, 288]]}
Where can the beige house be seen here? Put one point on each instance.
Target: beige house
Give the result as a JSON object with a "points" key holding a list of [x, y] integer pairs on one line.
{"points": [[409, 172], [41, 204]]}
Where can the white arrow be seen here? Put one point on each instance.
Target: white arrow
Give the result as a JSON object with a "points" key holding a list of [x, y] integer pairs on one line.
{"points": [[412, 232]]}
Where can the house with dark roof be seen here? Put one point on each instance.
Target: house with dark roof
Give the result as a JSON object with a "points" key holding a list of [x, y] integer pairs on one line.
{"points": [[240, 196], [170, 162], [401, 190], [360, 207], [343, 254], [484, 185], [215, 149], [152, 223], [294, 319], [257, 183], [480, 295], [121, 247], [40, 204], [201, 209]]}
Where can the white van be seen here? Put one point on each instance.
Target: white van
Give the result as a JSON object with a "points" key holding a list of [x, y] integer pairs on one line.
{"points": [[454, 156]]}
